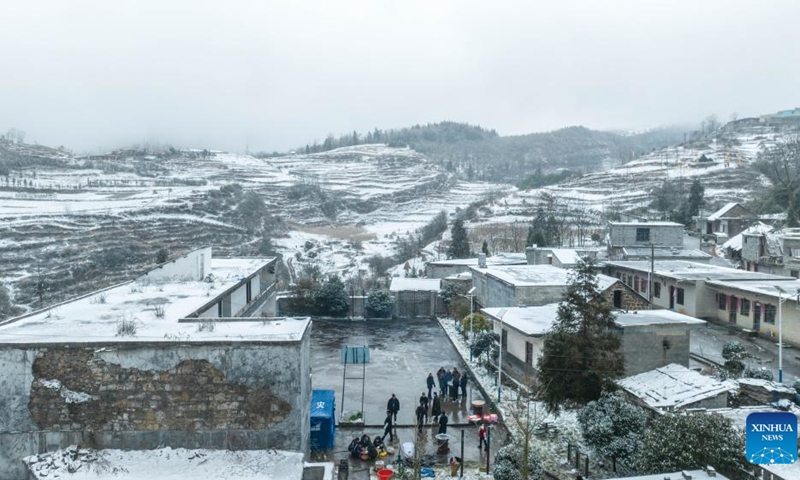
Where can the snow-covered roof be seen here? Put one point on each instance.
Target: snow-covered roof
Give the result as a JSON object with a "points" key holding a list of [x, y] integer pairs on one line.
{"points": [[791, 288], [647, 224], [686, 270], [537, 276], [528, 320], [735, 242], [462, 276], [539, 320], [170, 464], [719, 214], [673, 386], [655, 317], [401, 284], [692, 253], [96, 317], [567, 256], [499, 259], [696, 475]]}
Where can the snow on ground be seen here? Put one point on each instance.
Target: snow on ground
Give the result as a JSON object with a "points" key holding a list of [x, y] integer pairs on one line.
{"points": [[166, 464]]}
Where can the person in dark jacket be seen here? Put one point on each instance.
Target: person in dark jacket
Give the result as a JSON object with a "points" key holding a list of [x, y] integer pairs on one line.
{"points": [[388, 424], [463, 382], [442, 382], [423, 400], [420, 415], [443, 423], [436, 409], [430, 383], [456, 384], [448, 379], [393, 406]]}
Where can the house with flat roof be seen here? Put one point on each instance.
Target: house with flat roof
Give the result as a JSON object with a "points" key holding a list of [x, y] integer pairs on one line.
{"points": [[416, 297], [661, 253], [181, 356], [710, 473], [531, 285], [446, 268], [559, 257], [675, 387], [650, 338], [643, 234], [680, 285]]}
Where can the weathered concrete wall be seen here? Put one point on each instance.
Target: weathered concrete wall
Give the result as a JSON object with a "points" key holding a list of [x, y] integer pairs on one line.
{"points": [[443, 271], [193, 266], [227, 396], [661, 235], [643, 347]]}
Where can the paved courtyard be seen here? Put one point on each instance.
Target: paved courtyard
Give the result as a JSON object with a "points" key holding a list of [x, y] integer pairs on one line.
{"points": [[402, 353]]}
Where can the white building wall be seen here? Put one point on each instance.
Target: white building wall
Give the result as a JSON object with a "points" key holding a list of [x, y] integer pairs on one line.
{"points": [[255, 286], [193, 266], [238, 300]]}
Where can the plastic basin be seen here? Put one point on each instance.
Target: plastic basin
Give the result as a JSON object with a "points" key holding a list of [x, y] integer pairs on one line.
{"points": [[385, 474]]}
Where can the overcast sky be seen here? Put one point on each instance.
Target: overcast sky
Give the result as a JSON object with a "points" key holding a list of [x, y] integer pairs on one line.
{"points": [[274, 75]]}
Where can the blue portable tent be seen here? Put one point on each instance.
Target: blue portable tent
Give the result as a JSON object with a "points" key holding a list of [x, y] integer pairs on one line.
{"points": [[323, 419]]}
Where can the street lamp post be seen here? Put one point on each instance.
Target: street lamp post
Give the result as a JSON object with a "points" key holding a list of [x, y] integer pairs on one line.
{"points": [[500, 316], [471, 293], [780, 332]]}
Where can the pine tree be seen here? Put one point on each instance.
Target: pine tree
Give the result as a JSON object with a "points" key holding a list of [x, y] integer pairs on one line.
{"points": [[459, 248], [581, 356], [485, 248], [332, 299]]}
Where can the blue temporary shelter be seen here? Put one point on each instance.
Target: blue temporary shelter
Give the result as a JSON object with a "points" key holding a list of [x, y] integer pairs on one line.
{"points": [[323, 419]]}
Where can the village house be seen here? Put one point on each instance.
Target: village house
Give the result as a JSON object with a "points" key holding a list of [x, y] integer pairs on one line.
{"points": [[732, 248], [730, 220], [772, 252], [447, 268], [531, 285], [661, 253], [650, 338], [181, 356], [643, 234], [680, 285], [675, 387], [559, 257], [710, 473]]}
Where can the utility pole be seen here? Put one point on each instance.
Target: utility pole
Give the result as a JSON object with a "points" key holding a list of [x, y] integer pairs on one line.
{"points": [[652, 271]]}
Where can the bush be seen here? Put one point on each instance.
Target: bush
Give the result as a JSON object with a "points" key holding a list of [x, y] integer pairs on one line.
{"points": [[379, 303], [508, 464], [759, 373], [479, 323], [332, 299], [162, 255], [612, 426]]}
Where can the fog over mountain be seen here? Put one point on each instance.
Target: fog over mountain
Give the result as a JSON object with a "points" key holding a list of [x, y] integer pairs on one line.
{"points": [[273, 75]]}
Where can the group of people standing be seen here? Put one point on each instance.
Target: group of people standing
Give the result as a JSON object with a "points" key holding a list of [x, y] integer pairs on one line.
{"points": [[450, 382]]}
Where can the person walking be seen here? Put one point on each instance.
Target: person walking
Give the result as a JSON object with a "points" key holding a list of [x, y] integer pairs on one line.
{"points": [[482, 438], [423, 400], [463, 382], [456, 383], [393, 406], [436, 408], [430, 383], [388, 424], [440, 374], [443, 423], [420, 415]]}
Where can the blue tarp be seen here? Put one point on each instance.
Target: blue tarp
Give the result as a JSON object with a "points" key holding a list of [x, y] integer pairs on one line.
{"points": [[323, 419]]}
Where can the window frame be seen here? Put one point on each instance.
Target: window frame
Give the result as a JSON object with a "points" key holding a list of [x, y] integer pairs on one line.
{"points": [[679, 296], [656, 289], [745, 312], [642, 234]]}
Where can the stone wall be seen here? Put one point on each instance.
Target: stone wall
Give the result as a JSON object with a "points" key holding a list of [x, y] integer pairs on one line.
{"points": [[221, 396], [630, 299], [643, 347]]}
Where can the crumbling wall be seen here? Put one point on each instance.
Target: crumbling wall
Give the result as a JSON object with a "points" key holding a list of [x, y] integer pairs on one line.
{"points": [[224, 396]]}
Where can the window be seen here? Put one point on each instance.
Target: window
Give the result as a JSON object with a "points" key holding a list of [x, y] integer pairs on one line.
{"points": [[722, 301], [745, 307], [679, 296], [636, 284], [504, 339], [642, 234], [769, 313], [794, 273], [219, 309], [528, 354], [657, 290], [756, 312], [249, 291]]}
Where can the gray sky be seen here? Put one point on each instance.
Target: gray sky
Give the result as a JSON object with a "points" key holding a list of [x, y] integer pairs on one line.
{"points": [[276, 74]]}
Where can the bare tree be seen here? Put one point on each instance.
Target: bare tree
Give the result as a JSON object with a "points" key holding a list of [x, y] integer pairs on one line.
{"points": [[781, 165]]}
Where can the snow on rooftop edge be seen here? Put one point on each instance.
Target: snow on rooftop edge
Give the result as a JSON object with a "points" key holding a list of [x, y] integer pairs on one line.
{"points": [[401, 284], [169, 464], [673, 386]]}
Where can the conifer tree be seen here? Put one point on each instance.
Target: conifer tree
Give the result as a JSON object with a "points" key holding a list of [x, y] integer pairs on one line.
{"points": [[459, 248], [485, 248], [581, 356]]}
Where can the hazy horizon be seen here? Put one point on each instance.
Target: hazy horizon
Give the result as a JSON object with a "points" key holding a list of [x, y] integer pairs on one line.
{"points": [[276, 75]]}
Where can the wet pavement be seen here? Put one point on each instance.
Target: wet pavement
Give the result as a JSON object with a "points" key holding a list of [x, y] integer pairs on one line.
{"points": [[402, 353], [708, 343]]}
